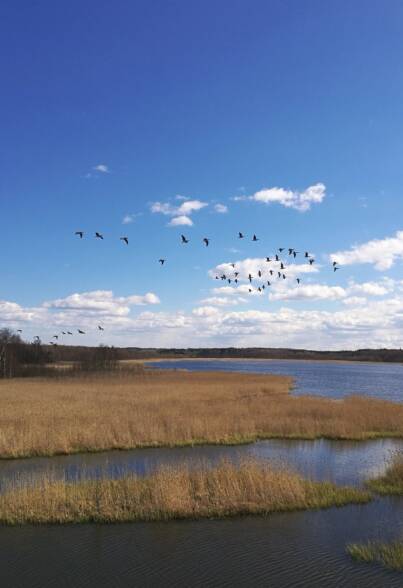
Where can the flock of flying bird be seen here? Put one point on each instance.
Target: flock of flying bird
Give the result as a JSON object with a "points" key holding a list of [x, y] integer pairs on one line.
{"points": [[279, 273]]}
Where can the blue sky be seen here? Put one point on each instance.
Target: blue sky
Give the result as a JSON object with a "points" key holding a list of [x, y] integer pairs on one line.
{"points": [[108, 109]]}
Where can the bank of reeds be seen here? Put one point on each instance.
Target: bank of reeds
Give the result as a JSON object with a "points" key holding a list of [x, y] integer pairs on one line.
{"points": [[176, 492], [392, 481], [390, 555], [176, 408]]}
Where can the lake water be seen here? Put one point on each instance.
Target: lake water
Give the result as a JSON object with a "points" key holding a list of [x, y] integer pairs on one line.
{"points": [[319, 378], [285, 550]]}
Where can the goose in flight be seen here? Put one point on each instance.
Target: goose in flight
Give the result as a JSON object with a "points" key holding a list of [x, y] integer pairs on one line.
{"points": [[80, 234], [55, 337], [80, 332], [282, 265], [99, 235], [232, 265], [268, 259], [206, 241], [69, 333], [334, 263], [184, 240], [298, 280], [240, 235], [19, 330], [125, 239], [311, 261], [281, 249], [101, 328], [254, 238], [259, 273], [277, 258], [161, 261], [250, 278]]}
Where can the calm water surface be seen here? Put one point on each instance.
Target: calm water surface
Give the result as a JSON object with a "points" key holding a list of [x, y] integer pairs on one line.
{"points": [[301, 550], [304, 549], [323, 378]]}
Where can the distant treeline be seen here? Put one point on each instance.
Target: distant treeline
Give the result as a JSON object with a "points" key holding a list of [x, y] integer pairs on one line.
{"points": [[73, 353]]}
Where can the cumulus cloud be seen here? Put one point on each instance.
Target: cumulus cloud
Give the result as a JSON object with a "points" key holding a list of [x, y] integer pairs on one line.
{"points": [[221, 208], [101, 302], [180, 214], [223, 301], [382, 253], [308, 292], [300, 201], [182, 220], [376, 323]]}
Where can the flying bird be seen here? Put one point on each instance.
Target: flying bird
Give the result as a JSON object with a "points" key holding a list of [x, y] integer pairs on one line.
{"points": [[55, 336], [125, 239], [80, 234], [69, 333], [254, 238], [259, 273], [206, 241], [161, 261], [19, 330], [80, 332], [250, 278], [311, 261], [268, 259], [98, 235], [184, 240], [101, 328], [298, 280], [240, 235]]}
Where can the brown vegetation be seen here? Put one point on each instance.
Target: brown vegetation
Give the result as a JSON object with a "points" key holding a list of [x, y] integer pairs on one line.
{"points": [[392, 481], [122, 411], [172, 493], [390, 555]]}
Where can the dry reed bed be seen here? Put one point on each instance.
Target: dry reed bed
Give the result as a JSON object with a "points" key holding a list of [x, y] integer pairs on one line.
{"points": [[60, 416], [173, 493]]}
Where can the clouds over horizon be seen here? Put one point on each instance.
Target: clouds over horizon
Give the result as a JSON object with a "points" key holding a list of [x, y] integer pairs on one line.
{"points": [[215, 322]]}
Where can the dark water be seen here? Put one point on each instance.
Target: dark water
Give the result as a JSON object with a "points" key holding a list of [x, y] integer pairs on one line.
{"points": [[343, 462], [320, 378], [301, 550]]}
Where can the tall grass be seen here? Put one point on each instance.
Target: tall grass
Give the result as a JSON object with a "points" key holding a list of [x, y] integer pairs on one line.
{"points": [[390, 555], [151, 408], [173, 493], [392, 481]]}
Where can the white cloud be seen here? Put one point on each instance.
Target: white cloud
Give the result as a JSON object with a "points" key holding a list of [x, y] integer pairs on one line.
{"points": [[101, 167], [180, 214], [308, 292], [382, 253], [355, 301], [372, 288], [223, 301], [359, 323], [177, 221], [221, 208], [130, 218], [101, 302], [300, 201]]}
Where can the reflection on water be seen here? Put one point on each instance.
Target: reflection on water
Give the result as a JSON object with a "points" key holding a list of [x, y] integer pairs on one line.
{"points": [[343, 462], [303, 549], [323, 378]]}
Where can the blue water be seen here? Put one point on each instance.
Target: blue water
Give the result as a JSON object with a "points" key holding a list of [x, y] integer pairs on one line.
{"points": [[318, 378]]}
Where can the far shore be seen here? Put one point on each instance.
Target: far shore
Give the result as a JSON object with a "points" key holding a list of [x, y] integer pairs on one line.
{"points": [[259, 359]]}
